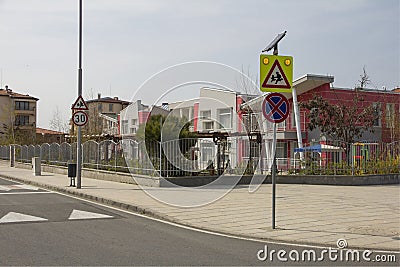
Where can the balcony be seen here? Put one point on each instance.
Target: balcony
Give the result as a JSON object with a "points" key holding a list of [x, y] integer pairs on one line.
{"points": [[31, 110]]}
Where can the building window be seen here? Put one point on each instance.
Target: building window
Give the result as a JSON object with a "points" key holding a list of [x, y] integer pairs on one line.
{"points": [[191, 113], [281, 150], [134, 121], [133, 130], [256, 123], [124, 126], [21, 105], [225, 118], [100, 107], [21, 120], [377, 115], [208, 125], [281, 125], [110, 107], [389, 115], [205, 114]]}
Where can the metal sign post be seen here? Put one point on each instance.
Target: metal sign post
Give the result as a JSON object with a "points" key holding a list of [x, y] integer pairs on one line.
{"points": [[273, 177], [275, 109], [79, 137], [276, 75]]}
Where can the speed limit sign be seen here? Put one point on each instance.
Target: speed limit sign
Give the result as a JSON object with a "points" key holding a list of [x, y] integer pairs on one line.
{"points": [[80, 118]]}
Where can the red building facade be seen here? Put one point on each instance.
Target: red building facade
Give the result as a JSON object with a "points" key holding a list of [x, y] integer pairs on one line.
{"points": [[385, 128]]}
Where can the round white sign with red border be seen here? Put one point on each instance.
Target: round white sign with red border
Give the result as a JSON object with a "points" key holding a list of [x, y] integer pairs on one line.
{"points": [[80, 118]]}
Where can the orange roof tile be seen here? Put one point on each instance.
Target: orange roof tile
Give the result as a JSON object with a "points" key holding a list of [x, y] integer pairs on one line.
{"points": [[47, 131]]}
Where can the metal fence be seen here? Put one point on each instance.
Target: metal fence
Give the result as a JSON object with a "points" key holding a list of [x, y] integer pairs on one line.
{"points": [[234, 155]]}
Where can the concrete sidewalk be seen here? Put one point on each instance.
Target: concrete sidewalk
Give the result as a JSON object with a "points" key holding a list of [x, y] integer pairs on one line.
{"points": [[368, 217]]}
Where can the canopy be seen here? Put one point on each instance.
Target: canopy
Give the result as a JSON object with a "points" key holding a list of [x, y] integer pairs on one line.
{"points": [[319, 148]]}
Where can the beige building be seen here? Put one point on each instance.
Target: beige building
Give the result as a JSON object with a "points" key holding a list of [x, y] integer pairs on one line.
{"points": [[17, 117]]}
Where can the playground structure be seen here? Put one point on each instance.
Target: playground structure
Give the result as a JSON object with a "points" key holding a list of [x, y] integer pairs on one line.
{"points": [[361, 155], [341, 158]]}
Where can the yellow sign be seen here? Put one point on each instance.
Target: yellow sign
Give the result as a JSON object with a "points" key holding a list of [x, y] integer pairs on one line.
{"points": [[276, 73]]}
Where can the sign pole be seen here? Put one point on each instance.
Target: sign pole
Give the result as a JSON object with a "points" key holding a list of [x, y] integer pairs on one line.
{"points": [[79, 137], [275, 109], [273, 176], [276, 75]]}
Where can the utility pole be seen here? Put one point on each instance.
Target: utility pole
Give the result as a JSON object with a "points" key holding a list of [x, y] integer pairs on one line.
{"points": [[79, 137]]}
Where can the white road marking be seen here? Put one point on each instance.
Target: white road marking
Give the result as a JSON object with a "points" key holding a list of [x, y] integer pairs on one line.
{"points": [[13, 217], [82, 215], [25, 193], [3, 188], [28, 187], [18, 187]]}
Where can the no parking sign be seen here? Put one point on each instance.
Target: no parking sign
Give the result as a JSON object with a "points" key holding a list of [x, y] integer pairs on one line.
{"points": [[275, 107]]}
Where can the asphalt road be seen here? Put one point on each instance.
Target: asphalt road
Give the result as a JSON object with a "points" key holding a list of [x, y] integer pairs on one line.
{"points": [[38, 227]]}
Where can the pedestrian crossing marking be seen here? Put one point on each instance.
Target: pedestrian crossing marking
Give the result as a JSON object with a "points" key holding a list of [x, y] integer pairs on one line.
{"points": [[15, 217], [82, 215], [18, 187], [4, 188]]}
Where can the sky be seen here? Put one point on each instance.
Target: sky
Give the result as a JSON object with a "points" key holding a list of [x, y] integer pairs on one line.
{"points": [[126, 42]]}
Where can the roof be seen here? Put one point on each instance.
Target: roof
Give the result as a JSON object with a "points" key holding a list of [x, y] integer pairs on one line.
{"points": [[47, 131], [108, 100], [369, 90], [229, 91], [10, 93]]}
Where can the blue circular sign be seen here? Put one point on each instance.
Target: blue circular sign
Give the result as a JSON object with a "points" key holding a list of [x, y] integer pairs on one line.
{"points": [[275, 107]]}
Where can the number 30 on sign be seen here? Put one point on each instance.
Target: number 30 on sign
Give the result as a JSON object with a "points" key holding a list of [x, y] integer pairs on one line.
{"points": [[80, 118]]}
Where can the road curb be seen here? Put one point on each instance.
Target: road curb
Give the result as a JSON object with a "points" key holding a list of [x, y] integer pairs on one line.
{"points": [[164, 217]]}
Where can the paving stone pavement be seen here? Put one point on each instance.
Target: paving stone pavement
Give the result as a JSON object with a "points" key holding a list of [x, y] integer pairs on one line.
{"points": [[368, 217]]}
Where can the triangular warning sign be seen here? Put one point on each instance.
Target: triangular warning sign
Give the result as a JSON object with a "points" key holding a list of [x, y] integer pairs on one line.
{"points": [[276, 77], [80, 104]]}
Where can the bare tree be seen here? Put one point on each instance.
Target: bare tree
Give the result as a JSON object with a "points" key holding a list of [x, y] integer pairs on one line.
{"points": [[364, 79], [58, 122], [248, 83]]}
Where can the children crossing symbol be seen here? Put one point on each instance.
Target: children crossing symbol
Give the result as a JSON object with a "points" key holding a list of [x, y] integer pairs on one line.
{"points": [[80, 104], [278, 77]]}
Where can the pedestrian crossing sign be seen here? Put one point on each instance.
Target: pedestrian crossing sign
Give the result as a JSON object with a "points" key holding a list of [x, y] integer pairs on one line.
{"points": [[276, 73]]}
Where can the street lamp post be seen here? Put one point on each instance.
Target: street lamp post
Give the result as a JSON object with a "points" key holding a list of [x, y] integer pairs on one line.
{"points": [[79, 137]]}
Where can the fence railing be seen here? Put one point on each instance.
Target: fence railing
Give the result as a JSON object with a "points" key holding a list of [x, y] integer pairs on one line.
{"points": [[236, 155]]}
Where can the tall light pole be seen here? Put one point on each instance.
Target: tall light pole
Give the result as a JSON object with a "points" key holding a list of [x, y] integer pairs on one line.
{"points": [[79, 137]]}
